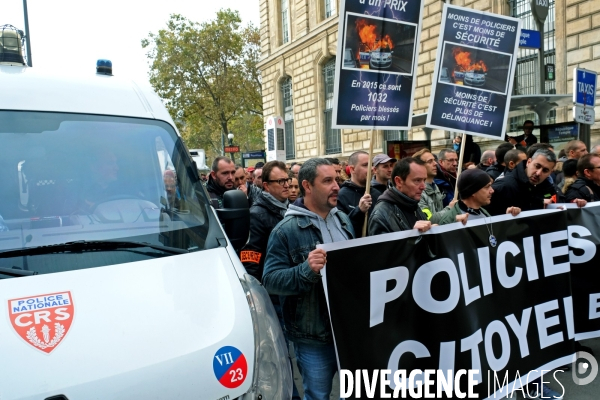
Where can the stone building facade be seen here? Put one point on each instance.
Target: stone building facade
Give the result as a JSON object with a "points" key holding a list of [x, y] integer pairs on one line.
{"points": [[299, 44]]}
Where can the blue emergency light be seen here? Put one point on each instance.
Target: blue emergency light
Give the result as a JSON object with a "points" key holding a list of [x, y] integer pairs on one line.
{"points": [[104, 67]]}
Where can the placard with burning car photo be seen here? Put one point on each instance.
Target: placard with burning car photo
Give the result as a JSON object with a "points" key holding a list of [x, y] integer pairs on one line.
{"points": [[474, 72], [375, 71]]}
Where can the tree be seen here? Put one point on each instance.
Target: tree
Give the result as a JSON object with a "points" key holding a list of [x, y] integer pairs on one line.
{"points": [[207, 75]]}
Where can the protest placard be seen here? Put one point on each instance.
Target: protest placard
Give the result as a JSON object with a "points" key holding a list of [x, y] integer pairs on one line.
{"points": [[378, 45], [474, 72]]}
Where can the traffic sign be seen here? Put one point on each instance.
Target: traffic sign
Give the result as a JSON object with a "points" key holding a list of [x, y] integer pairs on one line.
{"points": [[584, 115], [232, 149], [584, 87], [539, 9]]}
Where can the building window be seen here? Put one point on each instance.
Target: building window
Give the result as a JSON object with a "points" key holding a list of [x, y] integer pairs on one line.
{"points": [[330, 8], [288, 118], [333, 137], [395, 135], [527, 71], [285, 23]]}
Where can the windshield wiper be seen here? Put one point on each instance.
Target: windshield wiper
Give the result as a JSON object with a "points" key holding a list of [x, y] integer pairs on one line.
{"points": [[16, 272], [81, 245]]}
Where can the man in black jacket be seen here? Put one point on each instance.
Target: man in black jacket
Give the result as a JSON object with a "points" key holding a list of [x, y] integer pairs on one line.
{"points": [[398, 207], [352, 199], [527, 187], [497, 168], [587, 186], [221, 179], [269, 207]]}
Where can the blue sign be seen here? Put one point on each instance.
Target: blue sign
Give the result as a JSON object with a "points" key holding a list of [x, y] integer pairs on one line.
{"points": [[584, 87], [530, 39], [563, 133], [254, 154]]}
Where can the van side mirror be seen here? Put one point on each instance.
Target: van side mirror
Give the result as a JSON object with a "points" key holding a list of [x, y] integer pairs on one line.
{"points": [[235, 217]]}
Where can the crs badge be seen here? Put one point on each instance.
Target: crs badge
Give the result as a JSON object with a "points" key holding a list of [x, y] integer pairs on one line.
{"points": [[43, 320]]}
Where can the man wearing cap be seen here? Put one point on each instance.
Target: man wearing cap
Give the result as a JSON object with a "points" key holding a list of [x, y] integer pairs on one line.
{"points": [[352, 198], [382, 172], [475, 192]]}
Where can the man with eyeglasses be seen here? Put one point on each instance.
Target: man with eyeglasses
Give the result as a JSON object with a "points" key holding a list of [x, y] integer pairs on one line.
{"points": [[587, 185], [527, 186], [269, 207], [526, 139], [432, 199], [446, 174]]}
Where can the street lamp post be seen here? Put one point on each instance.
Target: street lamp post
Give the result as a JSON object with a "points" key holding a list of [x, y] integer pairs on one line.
{"points": [[230, 137]]}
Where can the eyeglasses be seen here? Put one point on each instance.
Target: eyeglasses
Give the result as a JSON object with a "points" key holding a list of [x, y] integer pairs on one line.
{"points": [[281, 181]]}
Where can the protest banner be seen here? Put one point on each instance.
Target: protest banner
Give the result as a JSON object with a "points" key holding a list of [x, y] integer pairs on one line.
{"points": [[474, 72], [447, 300], [376, 65]]}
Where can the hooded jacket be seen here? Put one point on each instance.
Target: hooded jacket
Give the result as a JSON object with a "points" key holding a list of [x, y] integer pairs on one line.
{"points": [[287, 273], [495, 170], [583, 189], [348, 199], [381, 187], [516, 190], [394, 212]]}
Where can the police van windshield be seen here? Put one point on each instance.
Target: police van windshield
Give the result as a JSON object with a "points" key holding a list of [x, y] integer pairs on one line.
{"points": [[79, 178]]}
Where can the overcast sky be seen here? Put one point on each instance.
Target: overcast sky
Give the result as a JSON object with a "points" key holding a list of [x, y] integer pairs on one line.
{"points": [[70, 35]]}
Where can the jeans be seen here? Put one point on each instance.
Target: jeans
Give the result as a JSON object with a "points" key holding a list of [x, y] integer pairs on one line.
{"points": [[317, 365]]}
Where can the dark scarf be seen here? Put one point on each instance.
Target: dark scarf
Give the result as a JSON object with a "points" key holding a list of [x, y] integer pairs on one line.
{"points": [[408, 206], [213, 187]]}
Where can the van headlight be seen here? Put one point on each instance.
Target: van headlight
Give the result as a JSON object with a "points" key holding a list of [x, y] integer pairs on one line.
{"points": [[272, 370]]}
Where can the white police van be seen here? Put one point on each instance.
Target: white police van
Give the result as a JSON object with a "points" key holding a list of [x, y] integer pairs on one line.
{"points": [[116, 277]]}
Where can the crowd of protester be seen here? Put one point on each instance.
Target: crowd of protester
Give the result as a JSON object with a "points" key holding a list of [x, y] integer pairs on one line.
{"points": [[294, 207]]}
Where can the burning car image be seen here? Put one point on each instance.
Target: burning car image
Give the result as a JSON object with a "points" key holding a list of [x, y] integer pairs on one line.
{"points": [[476, 68], [381, 58], [379, 44], [475, 77]]}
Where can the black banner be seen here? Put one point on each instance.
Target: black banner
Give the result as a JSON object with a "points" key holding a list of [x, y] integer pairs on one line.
{"points": [[584, 226], [450, 300]]}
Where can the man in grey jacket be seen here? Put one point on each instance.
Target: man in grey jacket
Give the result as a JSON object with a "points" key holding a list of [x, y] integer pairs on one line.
{"points": [[431, 202], [293, 269]]}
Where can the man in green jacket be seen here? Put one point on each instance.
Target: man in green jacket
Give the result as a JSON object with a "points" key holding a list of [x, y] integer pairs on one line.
{"points": [[431, 202], [475, 191]]}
